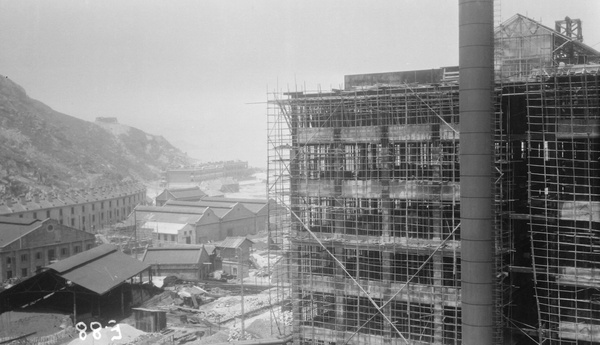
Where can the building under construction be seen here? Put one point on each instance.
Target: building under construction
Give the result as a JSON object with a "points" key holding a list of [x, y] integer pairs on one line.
{"points": [[368, 181]]}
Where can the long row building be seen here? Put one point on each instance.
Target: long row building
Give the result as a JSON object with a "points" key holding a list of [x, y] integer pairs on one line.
{"points": [[368, 183], [86, 209]]}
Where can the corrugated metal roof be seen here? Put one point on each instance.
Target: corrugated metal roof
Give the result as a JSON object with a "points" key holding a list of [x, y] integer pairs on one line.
{"points": [[176, 255], [99, 269]]}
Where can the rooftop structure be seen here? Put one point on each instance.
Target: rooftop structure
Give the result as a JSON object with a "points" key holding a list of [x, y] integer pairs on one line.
{"points": [[369, 183]]}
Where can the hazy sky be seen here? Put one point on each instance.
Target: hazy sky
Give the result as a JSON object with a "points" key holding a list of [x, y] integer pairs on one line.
{"points": [[191, 70]]}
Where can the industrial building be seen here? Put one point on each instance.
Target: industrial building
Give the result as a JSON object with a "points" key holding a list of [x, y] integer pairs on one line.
{"points": [[27, 245], [189, 262], [100, 283], [204, 221], [368, 183]]}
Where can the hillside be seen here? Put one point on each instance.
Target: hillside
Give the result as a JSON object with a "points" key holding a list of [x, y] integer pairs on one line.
{"points": [[41, 149]]}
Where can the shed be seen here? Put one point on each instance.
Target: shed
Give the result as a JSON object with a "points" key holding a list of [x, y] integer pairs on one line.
{"points": [[231, 247], [150, 320], [91, 283]]}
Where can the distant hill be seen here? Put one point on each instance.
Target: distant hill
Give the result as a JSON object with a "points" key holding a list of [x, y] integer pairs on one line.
{"points": [[41, 149]]}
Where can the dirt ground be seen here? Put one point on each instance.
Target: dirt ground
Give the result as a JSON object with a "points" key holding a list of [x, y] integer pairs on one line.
{"points": [[16, 323]]}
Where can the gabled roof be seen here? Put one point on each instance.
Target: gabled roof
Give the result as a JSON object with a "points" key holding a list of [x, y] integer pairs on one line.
{"points": [[254, 205], [232, 242], [13, 228], [181, 193], [534, 25], [210, 248], [99, 269], [187, 192], [173, 255]]}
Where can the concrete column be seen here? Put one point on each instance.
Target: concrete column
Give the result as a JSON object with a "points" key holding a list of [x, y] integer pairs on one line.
{"points": [[476, 53]]}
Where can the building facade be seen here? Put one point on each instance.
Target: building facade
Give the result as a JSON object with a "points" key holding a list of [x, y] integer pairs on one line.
{"points": [[27, 245], [189, 262], [87, 210], [367, 180], [209, 171]]}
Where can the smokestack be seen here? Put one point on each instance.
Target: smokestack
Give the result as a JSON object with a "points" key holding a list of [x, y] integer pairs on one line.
{"points": [[476, 61]]}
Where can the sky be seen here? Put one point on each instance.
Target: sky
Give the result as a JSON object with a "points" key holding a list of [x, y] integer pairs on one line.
{"points": [[198, 71]]}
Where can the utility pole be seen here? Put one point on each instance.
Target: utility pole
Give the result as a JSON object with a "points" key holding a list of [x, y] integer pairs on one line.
{"points": [[135, 232], [241, 275]]}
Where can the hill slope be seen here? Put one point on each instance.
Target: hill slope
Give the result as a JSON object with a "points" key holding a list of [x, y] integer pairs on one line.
{"points": [[42, 149]]}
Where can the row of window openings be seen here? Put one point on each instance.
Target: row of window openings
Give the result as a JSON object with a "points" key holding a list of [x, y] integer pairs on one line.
{"points": [[398, 111], [369, 161], [51, 254], [421, 159], [413, 221], [166, 237], [414, 321], [60, 211], [369, 265]]}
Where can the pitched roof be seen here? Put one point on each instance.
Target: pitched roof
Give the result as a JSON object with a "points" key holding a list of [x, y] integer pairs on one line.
{"points": [[13, 228], [99, 269], [169, 209], [74, 198], [178, 215], [232, 242], [254, 205], [201, 203], [183, 193], [234, 200], [519, 17], [167, 227], [210, 248], [173, 255]]}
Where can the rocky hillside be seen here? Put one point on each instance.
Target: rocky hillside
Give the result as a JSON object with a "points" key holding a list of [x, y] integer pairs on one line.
{"points": [[41, 149]]}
